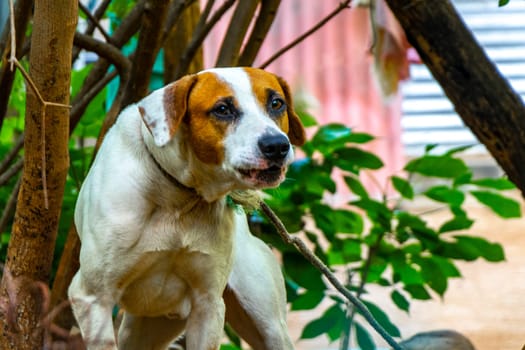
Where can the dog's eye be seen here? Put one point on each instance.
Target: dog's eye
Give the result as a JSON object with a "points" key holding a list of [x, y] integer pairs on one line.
{"points": [[277, 104], [224, 110]]}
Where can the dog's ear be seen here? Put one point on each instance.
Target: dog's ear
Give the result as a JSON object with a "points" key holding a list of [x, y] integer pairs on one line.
{"points": [[296, 132], [162, 111]]}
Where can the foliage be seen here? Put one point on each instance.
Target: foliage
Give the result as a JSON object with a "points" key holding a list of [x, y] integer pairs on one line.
{"points": [[373, 240]]}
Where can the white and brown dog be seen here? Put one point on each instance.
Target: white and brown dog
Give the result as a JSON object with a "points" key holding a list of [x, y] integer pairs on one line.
{"points": [[158, 235]]}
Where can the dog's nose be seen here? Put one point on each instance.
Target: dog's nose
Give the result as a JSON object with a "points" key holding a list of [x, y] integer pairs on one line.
{"points": [[274, 147]]}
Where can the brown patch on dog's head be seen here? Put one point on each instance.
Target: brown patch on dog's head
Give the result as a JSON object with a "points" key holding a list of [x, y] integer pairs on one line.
{"points": [[207, 133], [267, 86]]}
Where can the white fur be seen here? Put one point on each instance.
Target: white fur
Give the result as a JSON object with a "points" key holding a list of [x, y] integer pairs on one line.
{"points": [[164, 251]]}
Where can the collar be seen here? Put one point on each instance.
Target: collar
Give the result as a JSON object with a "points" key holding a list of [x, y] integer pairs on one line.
{"points": [[166, 174]]}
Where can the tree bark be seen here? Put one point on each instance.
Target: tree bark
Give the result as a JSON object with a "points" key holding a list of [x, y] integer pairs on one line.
{"points": [[481, 95], [234, 37], [177, 41], [30, 252], [148, 47]]}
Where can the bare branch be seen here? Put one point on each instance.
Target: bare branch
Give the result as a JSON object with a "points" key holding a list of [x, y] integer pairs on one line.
{"points": [[12, 171], [234, 37], [199, 35], [129, 26], [342, 6], [99, 12], [10, 207], [174, 14], [206, 13], [13, 152], [318, 264], [177, 41], [94, 22], [80, 104], [148, 46], [108, 51], [264, 21], [22, 13]]}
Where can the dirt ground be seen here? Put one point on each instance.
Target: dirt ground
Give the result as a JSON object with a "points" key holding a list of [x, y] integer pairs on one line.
{"points": [[487, 304]]}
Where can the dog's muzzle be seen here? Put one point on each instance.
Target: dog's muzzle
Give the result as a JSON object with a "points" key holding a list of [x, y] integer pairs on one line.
{"points": [[274, 148]]}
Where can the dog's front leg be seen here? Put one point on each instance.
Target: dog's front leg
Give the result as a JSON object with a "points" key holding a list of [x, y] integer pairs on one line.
{"points": [[94, 316], [205, 325]]}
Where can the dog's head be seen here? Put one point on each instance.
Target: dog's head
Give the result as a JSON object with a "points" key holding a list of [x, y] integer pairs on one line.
{"points": [[238, 123]]}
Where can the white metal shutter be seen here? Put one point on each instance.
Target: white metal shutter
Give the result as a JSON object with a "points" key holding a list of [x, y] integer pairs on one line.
{"points": [[428, 116]]}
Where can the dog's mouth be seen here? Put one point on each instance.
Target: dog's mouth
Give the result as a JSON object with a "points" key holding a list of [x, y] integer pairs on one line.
{"points": [[270, 176]]}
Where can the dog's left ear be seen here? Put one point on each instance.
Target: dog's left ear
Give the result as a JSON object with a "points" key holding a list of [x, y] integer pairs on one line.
{"points": [[296, 132], [162, 111]]}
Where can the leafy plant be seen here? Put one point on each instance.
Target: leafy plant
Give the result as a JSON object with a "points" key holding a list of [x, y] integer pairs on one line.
{"points": [[373, 239]]}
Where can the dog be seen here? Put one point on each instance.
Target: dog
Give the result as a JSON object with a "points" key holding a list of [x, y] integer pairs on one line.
{"points": [[159, 234]]}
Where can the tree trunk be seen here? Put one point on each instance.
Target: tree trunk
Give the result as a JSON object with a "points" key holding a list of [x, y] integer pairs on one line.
{"points": [[30, 252], [481, 95], [177, 41]]}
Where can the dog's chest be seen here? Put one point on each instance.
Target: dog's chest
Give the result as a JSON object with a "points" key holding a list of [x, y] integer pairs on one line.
{"points": [[181, 252]]}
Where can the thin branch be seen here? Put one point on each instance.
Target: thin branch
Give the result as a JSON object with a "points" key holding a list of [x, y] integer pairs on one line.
{"points": [[234, 37], [22, 13], [94, 21], [10, 206], [205, 14], [342, 6], [129, 26], [13, 170], [80, 104], [108, 51], [264, 21], [174, 13], [199, 35], [318, 264], [97, 15], [13, 152], [148, 46]]}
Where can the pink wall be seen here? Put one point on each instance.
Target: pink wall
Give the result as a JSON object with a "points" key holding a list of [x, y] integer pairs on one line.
{"points": [[335, 66]]}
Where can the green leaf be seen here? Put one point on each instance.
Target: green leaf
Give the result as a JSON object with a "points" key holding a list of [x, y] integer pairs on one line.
{"points": [[377, 211], [404, 272], [302, 272], [503, 2], [459, 222], [489, 251], [356, 186], [331, 318], [332, 221], [437, 166], [364, 339], [446, 194], [447, 266], [403, 187], [306, 118], [503, 206], [308, 300], [458, 150], [382, 318], [359, 137], [417, 292], [401, 302], [330, 137], [431, 272], [352, 159], [497, 184], [430, 147]]}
